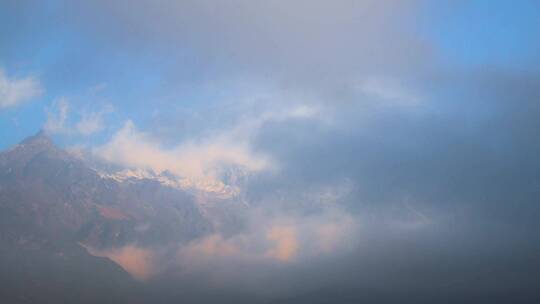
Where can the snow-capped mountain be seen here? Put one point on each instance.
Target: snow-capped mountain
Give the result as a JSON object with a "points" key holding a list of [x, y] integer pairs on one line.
{"points": [[199, 186], [58, 196], [57, 210]]}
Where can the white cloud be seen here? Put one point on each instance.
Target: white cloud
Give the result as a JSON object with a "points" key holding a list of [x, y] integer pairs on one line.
{"points": [[14, 91], [204, 159]]}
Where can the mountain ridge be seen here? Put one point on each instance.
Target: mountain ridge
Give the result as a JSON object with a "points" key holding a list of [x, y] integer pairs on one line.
{"points": [[46, 191]]}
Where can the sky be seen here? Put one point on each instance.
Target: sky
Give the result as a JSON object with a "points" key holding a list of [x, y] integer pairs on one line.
{"points": [[408, 122], [139, 62]]}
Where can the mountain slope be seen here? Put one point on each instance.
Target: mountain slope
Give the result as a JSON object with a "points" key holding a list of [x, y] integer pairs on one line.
{"points": [[44, 187], [52, 202]]}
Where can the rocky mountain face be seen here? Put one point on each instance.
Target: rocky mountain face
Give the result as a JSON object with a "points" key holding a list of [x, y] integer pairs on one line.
{"points": [[48, 190], [53, 204]]}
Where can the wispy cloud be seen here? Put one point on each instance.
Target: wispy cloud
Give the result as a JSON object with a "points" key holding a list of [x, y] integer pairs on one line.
{"points": [[57, 116], [14, 91], [92, 122], [388, 90], [59, 122]]}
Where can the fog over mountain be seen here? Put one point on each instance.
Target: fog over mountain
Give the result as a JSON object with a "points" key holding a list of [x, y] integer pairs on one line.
{"points": [[269, 151]]}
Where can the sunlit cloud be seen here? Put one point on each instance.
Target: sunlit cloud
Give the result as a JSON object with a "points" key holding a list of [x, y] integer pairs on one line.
{"points": [[138, 262], [276, 237], [285, 245], [201, 159]]}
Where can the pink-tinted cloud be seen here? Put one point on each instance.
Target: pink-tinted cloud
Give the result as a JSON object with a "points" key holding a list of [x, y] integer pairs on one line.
{"points": [[138, 262]]}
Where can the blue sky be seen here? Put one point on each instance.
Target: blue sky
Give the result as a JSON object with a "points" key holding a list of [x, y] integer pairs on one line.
{"points": [[485, 32]]}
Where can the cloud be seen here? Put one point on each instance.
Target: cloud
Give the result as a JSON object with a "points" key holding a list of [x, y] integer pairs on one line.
{"points": [[285, 243], [275, 236], [270, 239], [92, 122], [57, 117], [15, 91], [204, 159], [138, 262], [306, 41], [388, 90], [214, 245], [59, 122]]}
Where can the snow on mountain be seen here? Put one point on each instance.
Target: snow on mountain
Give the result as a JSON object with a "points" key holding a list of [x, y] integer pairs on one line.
{"points": [[202, 186]]}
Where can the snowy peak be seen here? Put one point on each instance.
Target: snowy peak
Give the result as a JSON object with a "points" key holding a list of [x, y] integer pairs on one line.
{"points": [[199, 186]]}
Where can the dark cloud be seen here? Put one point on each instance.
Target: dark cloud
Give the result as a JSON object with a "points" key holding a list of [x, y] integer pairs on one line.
{"points": [[301, 43], [444, 190]]}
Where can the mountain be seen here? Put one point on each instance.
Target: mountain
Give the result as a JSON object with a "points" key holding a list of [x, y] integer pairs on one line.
{"points": [[206, 187], [62, 197], [54, 206]]}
